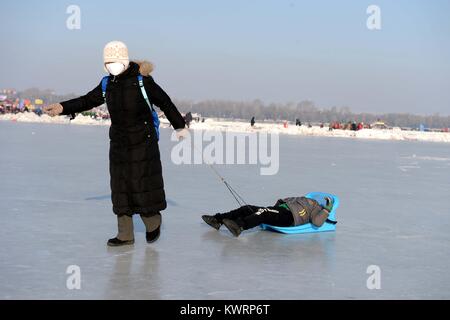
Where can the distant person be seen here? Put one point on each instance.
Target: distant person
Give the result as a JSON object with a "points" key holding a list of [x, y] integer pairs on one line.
{"points": [[360, 126], [293, 211], [252, 121], [353, 126], [137, 185], [188, 119], [298, 122], [348, 126]]}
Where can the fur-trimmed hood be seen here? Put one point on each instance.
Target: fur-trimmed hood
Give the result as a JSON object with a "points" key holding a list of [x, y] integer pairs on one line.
{"points": [[145, 67]]}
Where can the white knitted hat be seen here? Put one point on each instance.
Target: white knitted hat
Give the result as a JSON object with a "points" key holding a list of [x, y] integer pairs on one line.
{"points": [[116, 51]]}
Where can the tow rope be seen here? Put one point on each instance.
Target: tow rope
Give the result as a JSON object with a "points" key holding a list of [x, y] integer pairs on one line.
{"points": [[241, 202]]}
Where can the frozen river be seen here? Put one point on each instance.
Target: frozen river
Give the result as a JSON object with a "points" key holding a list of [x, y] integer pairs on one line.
{"points": [[55, 211]]}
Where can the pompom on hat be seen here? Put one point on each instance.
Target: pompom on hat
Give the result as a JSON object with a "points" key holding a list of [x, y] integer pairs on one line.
{"points": [[116, 51]]}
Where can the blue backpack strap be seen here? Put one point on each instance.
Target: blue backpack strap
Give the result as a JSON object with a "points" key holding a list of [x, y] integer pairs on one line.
{"points": [[144, 92], [155, 117], [105, 81]]}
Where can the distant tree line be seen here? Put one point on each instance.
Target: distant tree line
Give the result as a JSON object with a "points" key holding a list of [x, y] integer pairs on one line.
{"points": [[48, 95], [305, 111]]}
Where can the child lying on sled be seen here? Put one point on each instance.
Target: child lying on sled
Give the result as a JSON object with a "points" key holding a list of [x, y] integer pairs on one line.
{"points": [[293, 211]]}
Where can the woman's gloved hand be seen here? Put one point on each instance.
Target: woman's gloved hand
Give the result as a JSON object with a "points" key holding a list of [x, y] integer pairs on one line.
{"points": [[182, 133], [53, 109]]}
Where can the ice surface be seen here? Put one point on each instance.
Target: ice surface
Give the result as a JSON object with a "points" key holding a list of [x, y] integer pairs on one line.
{"points": [[55, 211]]}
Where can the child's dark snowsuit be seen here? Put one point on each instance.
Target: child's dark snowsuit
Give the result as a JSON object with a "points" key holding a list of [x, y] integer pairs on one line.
{"points": [[251, 216], [286, 212]]}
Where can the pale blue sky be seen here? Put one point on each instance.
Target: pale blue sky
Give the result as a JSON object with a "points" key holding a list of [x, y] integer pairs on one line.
{"points": [[277, 51]]}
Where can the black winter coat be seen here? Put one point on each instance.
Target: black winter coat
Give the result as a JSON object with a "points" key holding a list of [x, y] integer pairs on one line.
{"points": [[134, 161]]}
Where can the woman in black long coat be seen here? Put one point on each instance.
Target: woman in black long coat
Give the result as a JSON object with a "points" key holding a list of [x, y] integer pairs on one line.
{"points": [[137, 185]]}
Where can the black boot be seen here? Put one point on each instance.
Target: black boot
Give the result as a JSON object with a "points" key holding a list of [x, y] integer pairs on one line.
{"points": [[116, 242], [153, 235], [152, 222], [212, 221], [233, 226]]}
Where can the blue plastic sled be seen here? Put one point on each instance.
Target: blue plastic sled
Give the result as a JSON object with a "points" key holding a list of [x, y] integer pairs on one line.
{"points": [[310, 228]]}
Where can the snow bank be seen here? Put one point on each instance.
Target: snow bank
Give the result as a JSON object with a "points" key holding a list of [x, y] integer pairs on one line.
{"points": [[32, 117], [239, 126], [378, 134]]}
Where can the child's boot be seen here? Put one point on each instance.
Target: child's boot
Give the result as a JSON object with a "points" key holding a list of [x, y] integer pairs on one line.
{"points": [[235, 227], [212, 221]]}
